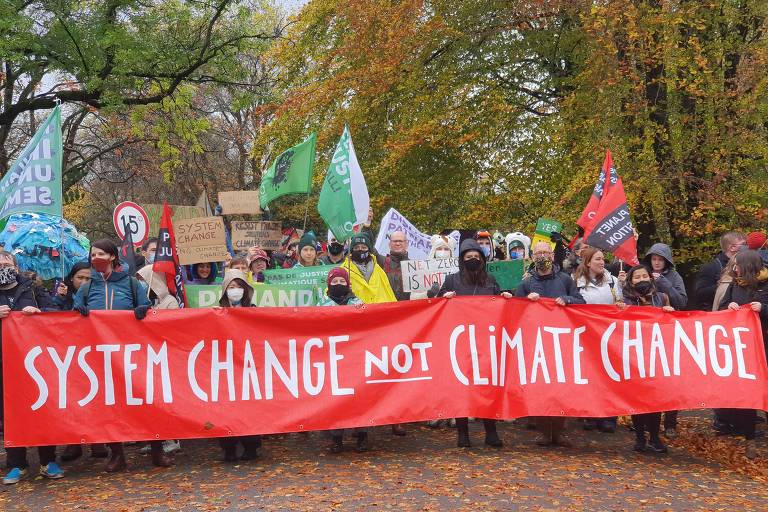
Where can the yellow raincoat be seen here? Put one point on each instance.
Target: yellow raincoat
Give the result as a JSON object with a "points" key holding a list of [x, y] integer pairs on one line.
{"points": [[374, 291]]}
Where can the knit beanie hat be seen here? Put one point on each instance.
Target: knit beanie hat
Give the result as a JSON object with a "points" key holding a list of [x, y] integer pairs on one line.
{"points": [[307, 240], [338, 272], [361, 238], [756, 240]]}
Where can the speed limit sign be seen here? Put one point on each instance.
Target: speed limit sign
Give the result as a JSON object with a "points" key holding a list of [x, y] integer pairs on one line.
{"points": [[130, 217]]}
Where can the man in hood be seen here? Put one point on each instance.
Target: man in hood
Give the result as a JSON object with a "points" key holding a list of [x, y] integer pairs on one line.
{"points": [[709, 275], [547, 280], [659, 260]]}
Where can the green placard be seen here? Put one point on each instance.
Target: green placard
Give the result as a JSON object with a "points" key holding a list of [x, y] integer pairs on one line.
{"points": [[545, 226], [303, 276], [507, 273], [264, 295]]}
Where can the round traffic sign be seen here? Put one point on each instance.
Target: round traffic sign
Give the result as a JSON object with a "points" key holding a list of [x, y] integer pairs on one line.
{"points": [[129, 216]]}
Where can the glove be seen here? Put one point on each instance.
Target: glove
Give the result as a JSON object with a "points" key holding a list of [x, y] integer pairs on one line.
{"points": [[141, 311], [83, 310]]}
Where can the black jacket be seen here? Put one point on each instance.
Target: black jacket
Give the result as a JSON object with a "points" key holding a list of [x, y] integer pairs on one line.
{"points": [[557, 284], [455, 283], [23, 295], [742, 295], [706, 282]]}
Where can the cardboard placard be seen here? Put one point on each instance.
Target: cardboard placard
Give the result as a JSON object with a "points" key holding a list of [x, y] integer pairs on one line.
{"points": [[178, 213], [201, 240], [265, 234], [420, 275], [240, 201]]}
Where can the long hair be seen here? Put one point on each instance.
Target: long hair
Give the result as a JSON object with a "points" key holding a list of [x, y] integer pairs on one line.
{"points": [[68, 281], [750, 265], [583, 269], [247, 295], [629, 291], [476, 278]]}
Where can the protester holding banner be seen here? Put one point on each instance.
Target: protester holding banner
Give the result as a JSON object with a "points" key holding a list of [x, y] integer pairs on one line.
{"points": [[237, 293], [398, 252], [65, 291], [547, 280], [17, 294], [110, 288], [659, 260], [640, 290], [369, 281], [202, 273], [307, 251], [707, 278], [597, 286], [339, 292], [472, 280]]}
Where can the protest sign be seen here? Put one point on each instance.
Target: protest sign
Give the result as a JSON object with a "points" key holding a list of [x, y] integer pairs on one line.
{"points": [[419, 243], [241, 201], [420, 275], [178, 213], [200, 240], [306, 276], [264, 295], [265, 234], [546, 227], [508, 274], [240, 371]]}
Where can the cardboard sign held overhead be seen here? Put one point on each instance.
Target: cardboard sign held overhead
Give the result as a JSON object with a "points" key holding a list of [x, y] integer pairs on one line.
{"points": [[241, 201], [178, 213], [201, 240], [265, 234]]}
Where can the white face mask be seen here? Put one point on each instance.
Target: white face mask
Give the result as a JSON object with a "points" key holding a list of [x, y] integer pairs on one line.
{"points": [[235, 295], [442, 254]]}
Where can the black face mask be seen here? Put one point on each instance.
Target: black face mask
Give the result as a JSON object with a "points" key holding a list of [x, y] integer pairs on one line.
{"points": [[644, 287], [335, 248], [473, 265], [361, 256], [338, 290]]}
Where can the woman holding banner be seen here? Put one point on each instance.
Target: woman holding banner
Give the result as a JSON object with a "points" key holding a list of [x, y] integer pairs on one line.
{"points": [[237, 293], [640, 290], [472, 280], [110, 288], [597, 286]]}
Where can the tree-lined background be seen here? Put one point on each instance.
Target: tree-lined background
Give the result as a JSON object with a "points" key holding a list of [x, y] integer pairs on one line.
{"points": [[464, 114]]}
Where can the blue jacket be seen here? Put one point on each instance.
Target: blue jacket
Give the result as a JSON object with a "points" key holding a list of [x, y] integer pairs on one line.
{"points": [[119, 291]]}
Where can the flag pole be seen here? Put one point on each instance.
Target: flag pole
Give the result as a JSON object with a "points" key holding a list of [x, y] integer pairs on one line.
{"points": [[306, 214], [57, 101]]}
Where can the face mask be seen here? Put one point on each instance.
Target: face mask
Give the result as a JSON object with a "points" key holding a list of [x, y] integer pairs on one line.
{"points": [[473, 264], [100, 264], [150, 259], [335, 248], [8, 275], [514, 255], [338, 290], [644, 287], [543, 264], [361, 256], [235, 295], [442, 254], [486, 250]]}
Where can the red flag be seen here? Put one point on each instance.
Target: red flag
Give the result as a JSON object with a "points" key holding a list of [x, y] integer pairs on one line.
{"points": [[587, 219], [611, 227], [167, 259]]}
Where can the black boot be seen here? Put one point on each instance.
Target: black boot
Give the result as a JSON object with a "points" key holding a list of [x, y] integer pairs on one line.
{"points": [[362, 442], [462, 429], [72, 452], [338, 444], [491, 436], [230, 454], [640, 442], [657, 446]]}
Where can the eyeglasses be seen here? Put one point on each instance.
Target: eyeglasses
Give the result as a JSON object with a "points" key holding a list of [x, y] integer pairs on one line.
{"points": [[542, 253]]}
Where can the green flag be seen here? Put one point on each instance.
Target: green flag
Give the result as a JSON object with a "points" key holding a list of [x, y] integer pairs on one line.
{"points": [[291, 172], [33, 183], [344, 200]]}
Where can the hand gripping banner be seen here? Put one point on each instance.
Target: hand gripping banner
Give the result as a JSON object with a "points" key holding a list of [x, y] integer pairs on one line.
{"points": [[210, 373]]}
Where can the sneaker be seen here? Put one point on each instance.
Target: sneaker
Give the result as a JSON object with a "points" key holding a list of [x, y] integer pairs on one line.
{"points": [[338, 444], [544, 440], [670, 433], [14, 475], [145, 450], [433, 423], [52, 471], [171, 446]]}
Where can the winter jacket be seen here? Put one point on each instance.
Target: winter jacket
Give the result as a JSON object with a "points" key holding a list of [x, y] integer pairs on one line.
{"points": [[326, 260], [349, 300], [742, 295], [63, 303], [230, 276], [555, 285], [374, 290], [459, 284], [156, 282], [722, 287], [609, 292], [23, 295], [658, 300], [193, 278], [119, 291], [706, 282], [391, 265], [670, 282]]}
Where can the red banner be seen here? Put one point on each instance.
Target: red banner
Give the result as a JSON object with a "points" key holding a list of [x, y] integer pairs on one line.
{"points": [[205, 373]]}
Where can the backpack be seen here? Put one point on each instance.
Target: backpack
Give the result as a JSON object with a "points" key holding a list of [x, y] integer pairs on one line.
{"points": [[134, 285]]}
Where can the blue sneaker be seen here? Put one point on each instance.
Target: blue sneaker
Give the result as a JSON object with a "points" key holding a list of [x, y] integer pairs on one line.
{"points": [[14, 475], [52, 471]]}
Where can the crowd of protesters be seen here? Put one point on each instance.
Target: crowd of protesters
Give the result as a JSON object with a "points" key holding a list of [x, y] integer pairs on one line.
{"points": [[737, 276]]}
